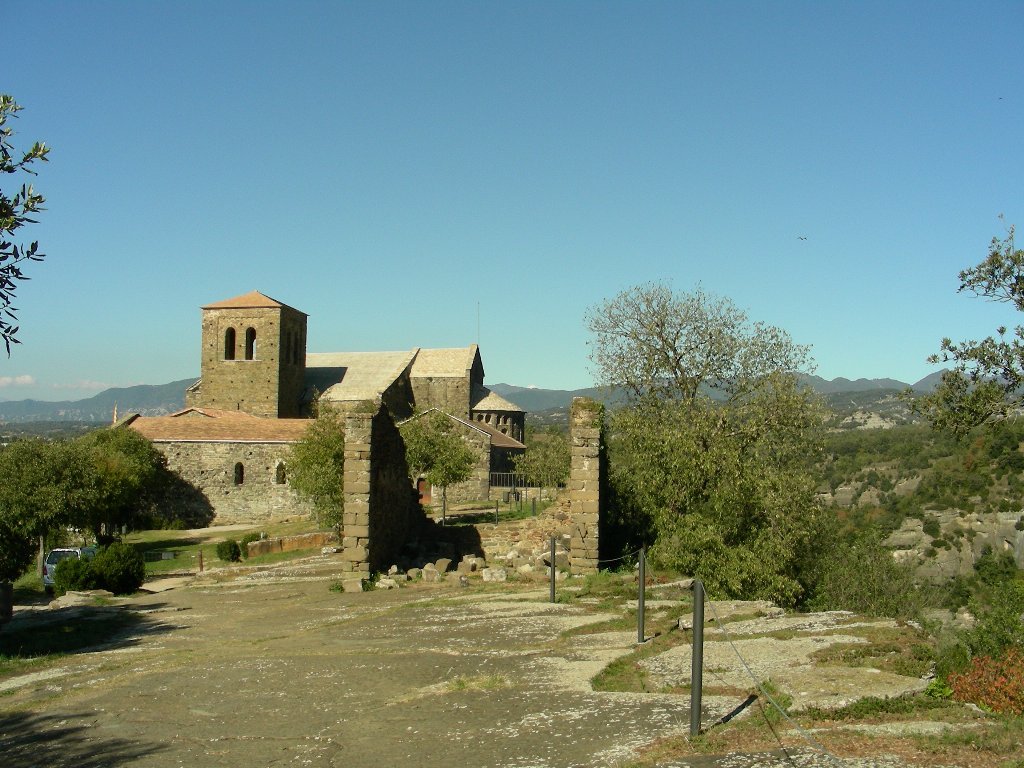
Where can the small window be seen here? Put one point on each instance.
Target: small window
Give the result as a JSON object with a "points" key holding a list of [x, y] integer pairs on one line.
{"points": [[229, 344], [279, 474], [239, 473], [250, 343]]}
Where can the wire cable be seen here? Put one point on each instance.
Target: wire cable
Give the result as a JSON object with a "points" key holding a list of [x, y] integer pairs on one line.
{"points": [[803, 732]]}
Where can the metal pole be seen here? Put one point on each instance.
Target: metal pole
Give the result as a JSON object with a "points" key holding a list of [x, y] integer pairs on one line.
{"points": [[640, 596], [495, 511], [534, 501], [697, 657], [552, 569]]}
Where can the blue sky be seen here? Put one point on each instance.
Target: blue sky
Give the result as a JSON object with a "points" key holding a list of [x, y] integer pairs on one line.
{"points": [[389, 167]]}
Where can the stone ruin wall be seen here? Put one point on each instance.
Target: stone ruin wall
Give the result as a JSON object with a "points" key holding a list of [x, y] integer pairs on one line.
{"points": [[586, 480], [381, 512]]}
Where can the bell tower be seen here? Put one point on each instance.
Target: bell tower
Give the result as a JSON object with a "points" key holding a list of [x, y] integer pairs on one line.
{"points": [[253, 357]]}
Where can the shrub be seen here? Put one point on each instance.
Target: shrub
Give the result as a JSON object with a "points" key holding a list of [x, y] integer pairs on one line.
{"points": [[995, 683], [999, 624], [243, 545], [229, 551], [862, 576], [119, 568], [75, 574]]}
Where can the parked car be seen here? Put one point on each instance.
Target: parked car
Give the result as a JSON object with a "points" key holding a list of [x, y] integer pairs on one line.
{"points": [[54, 556]]}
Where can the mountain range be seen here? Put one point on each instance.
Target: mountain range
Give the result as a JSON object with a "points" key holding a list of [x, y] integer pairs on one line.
{"points": [[161, 399]]}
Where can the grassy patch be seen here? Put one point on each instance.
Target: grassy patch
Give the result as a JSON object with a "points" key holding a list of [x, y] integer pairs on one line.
{"points": [[186, 546], [874, 707], [902, 651], [477, 683], [998, 737], [626, 673]]}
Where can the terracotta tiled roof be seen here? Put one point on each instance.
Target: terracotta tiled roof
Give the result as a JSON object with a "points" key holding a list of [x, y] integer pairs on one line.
{"points": [[214, 425], [444, 362], [492, 401], [351, 376], [253, 299]]}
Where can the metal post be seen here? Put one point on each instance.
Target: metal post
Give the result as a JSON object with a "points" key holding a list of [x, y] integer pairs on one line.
{"points": [[534, 501], [552, 569], [697, 657], [640, 596], [495, 511]]}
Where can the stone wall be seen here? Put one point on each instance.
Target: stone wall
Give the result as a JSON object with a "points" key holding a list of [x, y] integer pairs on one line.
{"points": [[479, 483], [381, 513], [446, 393], [210, 467], [586, 479], [316, 540]]}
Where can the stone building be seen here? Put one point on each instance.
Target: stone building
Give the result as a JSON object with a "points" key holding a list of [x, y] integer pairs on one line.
{"points": [[256, 392]]}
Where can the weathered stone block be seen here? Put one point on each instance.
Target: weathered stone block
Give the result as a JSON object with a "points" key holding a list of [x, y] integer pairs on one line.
{"points": [[352, 585]]}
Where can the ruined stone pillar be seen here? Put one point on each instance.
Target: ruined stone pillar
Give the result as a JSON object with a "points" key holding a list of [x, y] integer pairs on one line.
{"points": [[586, 423], [355, 540]]}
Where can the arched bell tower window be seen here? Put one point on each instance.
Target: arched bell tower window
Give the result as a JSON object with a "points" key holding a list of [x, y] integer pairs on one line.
{"points": [[250, 343], [229, 344], [239, 473]]}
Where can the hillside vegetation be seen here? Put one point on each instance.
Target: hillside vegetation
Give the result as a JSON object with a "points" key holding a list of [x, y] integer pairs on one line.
{"points": [[882, 476]]}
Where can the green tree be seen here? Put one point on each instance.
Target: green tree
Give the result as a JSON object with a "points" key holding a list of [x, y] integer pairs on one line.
{"points": [[714, 455], [986, 381], [435, 451], [317, 466], [547, 459], [121, 468], [40, 482], [16, 211]]}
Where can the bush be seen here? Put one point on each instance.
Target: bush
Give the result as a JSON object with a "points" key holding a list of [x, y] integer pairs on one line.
{"points": [[995, 683], [229, 551], [246, 540], [119, 568], [862, 576], [74, 574]]}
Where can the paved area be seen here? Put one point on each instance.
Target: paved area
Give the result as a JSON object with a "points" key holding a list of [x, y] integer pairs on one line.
{"points": [[275, 669]]}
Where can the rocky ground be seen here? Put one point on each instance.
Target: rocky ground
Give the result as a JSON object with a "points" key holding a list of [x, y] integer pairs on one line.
{"points": [[273, 668]]}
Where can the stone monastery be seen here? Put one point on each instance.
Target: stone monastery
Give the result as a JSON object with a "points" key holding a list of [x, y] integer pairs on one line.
{"points": [[256, 394]]}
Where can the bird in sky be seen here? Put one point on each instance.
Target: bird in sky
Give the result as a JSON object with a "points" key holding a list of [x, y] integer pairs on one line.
{"points": [[801, 237]]}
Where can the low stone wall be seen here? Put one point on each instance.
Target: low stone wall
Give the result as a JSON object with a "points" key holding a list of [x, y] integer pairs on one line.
{"points": [[292, 543]]}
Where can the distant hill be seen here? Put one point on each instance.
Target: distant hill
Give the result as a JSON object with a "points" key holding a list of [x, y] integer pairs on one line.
{"points": [[848, 398], [543, 405], [147, 399]]}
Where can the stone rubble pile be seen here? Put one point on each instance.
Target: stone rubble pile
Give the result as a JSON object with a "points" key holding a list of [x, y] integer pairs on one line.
{"points": [[525, 559]]}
